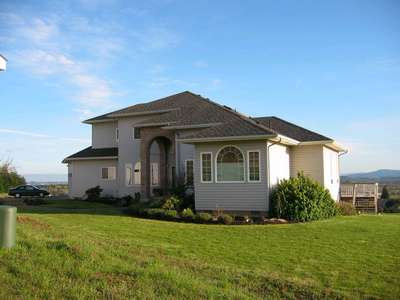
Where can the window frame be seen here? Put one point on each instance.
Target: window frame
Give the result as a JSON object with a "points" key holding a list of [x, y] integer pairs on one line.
{"points": [[140, 173], [133, 133], [259, 166], [129, 165], [216, 165], [211, 167], [117, 134], [108, 173], [186, 161]]}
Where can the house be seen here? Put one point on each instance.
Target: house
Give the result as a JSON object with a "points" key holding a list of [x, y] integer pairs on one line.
{"points": [[232, 160]]}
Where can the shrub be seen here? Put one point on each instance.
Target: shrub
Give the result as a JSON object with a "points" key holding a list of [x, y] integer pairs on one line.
{"points": [[385, 193], [127, 200], [155, 213], [172, 202], [137, 197], [171, 215], [9, 177], [187, 214], [225, 219], [203, 217], [93, 194], [162, 214], [346, 209], [392, 203], [302, 199]]}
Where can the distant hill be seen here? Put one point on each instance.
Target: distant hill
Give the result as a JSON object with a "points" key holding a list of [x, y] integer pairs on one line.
{"points": [[45, 178], [383, 175]]}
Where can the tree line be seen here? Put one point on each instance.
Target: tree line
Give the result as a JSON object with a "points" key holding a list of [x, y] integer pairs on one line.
{"points": [[9, 177]]}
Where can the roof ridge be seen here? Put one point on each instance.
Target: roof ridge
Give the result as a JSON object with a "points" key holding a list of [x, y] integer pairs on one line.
{"points": [[236, 113], [292, 124]]}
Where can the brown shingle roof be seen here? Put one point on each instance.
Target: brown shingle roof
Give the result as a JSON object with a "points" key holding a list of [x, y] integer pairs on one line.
{"points": [[291, 130], [187, 108], [89, 152]]}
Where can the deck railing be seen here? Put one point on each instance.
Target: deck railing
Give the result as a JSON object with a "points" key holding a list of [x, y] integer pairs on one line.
{"points": [[363, 196]]}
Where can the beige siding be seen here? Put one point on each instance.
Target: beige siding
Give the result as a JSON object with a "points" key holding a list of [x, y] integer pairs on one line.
{"points": [[308, 159], [87, 174], [331, 172], [246, 196], [103, 135], [279, 159]]}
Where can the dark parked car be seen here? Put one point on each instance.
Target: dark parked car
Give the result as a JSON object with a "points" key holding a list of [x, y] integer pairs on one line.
{"points": [[27, 190]]}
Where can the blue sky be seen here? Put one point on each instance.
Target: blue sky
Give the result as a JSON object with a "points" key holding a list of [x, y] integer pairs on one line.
{"points": [[331, 66]]}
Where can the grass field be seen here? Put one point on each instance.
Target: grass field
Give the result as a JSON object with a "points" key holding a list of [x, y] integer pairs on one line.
{"points": [[96, 253]]}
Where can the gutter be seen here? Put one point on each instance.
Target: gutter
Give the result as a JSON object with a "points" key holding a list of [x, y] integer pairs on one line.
{"points": [[66, 160]]}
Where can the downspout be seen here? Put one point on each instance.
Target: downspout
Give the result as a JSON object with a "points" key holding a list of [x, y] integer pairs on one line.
{"points": [[340, 154], [269, 169]]}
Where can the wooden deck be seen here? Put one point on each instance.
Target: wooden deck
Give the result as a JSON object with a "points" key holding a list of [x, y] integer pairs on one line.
{"points": [[363, 196]]}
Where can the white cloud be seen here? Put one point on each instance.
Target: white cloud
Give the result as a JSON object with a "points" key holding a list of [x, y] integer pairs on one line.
{"points": [[20, 132]]}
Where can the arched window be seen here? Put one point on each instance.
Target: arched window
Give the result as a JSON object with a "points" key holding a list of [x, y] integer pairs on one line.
{"points": [[230, 165]]}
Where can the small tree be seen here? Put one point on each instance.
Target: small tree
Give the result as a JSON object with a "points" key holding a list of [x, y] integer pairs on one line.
{"points": [[9, 177], [385, 193]]}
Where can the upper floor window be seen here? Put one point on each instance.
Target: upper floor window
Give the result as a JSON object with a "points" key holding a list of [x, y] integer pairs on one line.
{"points": [[253, 165], [136, 133], [116, 134], [189, 172], [230, 165]]}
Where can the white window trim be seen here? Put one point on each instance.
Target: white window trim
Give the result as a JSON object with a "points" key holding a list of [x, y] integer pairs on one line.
{"points": [[140, 173], [108, 179], [201, 167], [216, 165], [193, 170], [132, 175], [259, 166], [133, 134]]}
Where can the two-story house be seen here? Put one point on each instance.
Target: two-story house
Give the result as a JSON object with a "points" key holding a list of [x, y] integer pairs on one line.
{"points": [[231, 160]]}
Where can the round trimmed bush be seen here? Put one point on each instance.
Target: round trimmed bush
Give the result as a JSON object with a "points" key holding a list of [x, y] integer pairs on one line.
{"points": [[187, 214], [203, 217], [302, 199], [226, 219]]}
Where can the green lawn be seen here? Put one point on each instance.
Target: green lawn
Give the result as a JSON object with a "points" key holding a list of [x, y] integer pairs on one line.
{"points": [[92, 254]]}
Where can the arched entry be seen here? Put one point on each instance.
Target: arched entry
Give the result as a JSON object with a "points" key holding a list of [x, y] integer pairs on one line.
{"points": [[157, 164]]}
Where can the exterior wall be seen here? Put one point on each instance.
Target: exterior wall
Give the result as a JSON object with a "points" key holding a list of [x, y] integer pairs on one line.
{"points": [[318, 162], [246, 196], [279, 160], [331, 172], [307, 159], [87, 174], [128, 152], [103, 135]]}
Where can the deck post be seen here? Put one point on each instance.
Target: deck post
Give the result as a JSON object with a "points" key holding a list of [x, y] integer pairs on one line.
{"points": [[354, 194]]}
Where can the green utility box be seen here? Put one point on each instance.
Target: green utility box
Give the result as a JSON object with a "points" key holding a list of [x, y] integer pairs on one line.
{"points": [[8, 222]]}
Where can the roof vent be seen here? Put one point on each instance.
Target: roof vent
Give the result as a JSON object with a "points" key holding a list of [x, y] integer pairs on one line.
{"points": [[228, 107]]}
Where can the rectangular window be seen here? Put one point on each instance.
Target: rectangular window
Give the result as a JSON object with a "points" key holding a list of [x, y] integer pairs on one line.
{"points": [[128, 174], [116, 134], [136, 133], [108, 173], [253, 166], [154, 174], [206, 167], [189, 172]]}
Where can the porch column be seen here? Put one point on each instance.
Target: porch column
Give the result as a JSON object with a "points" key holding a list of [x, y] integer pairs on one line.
{"points": [[145, 168]]}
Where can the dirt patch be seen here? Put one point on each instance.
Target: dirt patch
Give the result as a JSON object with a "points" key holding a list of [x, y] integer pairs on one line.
{"points": [[35, 223]]}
